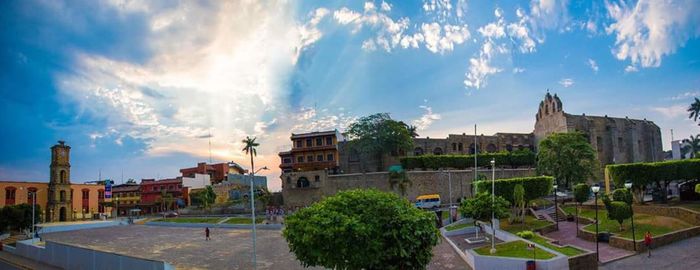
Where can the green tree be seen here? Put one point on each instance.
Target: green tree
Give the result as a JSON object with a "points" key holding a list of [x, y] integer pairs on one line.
{"points": [[208, 197], [519, 203], [581, 194], [619, 211], [568, 157], [692, 145], [362, 229], [694, 110], [399, 179], [622, 195], [412, 131], [377, 135], [479, 207], [697, 188], [250, 148]]}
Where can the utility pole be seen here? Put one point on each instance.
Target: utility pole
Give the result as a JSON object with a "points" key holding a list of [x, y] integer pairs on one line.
{"points": [[476, 190]]}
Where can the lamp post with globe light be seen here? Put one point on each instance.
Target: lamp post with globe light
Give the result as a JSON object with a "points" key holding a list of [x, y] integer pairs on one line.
{"points": [[595, 189], [493, 202], [556, 208], [628, 186]]}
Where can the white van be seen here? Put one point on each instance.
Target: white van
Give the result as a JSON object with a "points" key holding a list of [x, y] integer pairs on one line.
{"points": [[428, 201]]}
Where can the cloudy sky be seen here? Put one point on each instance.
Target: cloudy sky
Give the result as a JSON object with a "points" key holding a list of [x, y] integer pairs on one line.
{"points": [[141, 88]]}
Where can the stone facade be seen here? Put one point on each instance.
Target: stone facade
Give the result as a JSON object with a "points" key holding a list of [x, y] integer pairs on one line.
{"points": [[616, 140], [321, 184], [60, 199]]}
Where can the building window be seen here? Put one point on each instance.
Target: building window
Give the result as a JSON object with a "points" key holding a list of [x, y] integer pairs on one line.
{"points": [[310, 158], [317, 178], [491, 148], [418, 151], [472, 149], [299, 145], [30, 195], [302, 182], [10, 195], [620, 145], [101, 195], [509, 147], [289, 181], [286, 160], [329, 157], [454, 147], [437, 151], [62, 196], [308, 143], [460, 147], [319, 141], [154, 188], [179, 186], [300, 159], [62, 177], [86, 194], [329, 140], [171, 187], [319, 158]]}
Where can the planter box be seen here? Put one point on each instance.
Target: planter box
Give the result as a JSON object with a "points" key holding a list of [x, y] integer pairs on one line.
{"points": [[466, 230]]}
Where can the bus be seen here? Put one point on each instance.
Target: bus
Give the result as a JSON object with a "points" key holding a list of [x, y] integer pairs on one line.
{"points": [[428, 201]]}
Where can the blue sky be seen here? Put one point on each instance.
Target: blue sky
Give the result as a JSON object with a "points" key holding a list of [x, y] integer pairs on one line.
{"points": [[139, 88]]}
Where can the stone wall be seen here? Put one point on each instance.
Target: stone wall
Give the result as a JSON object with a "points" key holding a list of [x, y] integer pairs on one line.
{"points": [[658, 240], [322, 184], [683, 214], [587, 261]]}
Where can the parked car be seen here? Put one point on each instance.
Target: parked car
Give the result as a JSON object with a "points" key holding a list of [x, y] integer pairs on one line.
{"points": [[428, 201], [171, 214]]}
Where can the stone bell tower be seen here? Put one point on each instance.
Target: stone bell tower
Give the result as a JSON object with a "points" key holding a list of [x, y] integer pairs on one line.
{"points": [[60, 197]]}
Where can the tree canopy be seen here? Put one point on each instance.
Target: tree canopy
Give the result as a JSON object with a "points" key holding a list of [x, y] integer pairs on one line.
{"points": [[378, 134], [362, 229], [535, 187], [568, 157], [479, 207], [581, 193]]}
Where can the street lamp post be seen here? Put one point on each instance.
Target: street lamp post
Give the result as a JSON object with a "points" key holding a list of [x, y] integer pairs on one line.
{"points": [[116, 213], [595, 190], [252, 210], [628, 186], [556, 208], [493, 203]]}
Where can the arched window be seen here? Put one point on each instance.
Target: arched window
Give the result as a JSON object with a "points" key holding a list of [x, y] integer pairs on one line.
{"points": [[418, 151], [491, 148], [454, 147], [437, 151], [289, 180], [30, 194], [472, 149], [62, 196], [509, 147], [62, 177], [86, 200], [302, 182], [460, 147], [10, 195]]}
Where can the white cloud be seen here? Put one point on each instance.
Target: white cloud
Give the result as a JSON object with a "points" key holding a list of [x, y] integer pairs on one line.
{"points": [[630, 69], [650, 29], [479, 69], [218, 68], [593, 65], [426, 119], [517, 70], [548, 14], [591, 27], [672, 111], [686, 95], [566, 82], [346, 16], [386, 6], [436, 41]]}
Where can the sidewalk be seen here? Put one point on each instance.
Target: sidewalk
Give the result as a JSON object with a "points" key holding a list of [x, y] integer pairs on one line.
{"points": [[567, 235], [19, 262]]}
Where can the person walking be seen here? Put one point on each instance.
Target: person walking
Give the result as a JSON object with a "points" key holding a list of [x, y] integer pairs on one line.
{"points": [[647, 242], [206, 233]]}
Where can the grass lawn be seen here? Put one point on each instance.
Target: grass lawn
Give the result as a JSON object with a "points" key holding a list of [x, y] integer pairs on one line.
{"points": [[244, 220], [454, 227], [531, 224], [691, 206], [657, 225], [515, 249], [568, 250], [445, 215], [190, 220]]}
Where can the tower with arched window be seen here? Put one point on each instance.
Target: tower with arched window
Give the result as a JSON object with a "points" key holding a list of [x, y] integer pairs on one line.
{"points": [[59, 206]]}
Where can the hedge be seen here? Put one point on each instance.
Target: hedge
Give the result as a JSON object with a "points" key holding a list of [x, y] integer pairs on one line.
{"points": [[644, 173], [512, 159], [535, 187]]}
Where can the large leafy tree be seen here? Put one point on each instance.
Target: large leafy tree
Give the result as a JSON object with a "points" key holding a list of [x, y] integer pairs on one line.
{"points": [[479, 207], [377, 135], [518, 203], [692, 145], [694, 110], [568, 157], [362, 229]]}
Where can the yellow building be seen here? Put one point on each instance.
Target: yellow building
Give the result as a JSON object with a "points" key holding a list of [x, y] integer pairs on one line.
{"points": [[59, 198]]}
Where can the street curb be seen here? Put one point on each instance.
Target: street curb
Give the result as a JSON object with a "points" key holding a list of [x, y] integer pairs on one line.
{"points": [[459, 252]]}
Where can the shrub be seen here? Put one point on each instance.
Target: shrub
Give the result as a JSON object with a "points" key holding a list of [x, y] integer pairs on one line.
{"points": [[535, 187], [479, 207], [623, 195], [581, 193], [619, 211], [526, 234], [662, 173], [362, 229], [517, 158]]}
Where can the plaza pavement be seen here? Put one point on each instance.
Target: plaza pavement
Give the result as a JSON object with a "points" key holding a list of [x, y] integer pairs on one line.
{"points": [[185, 248], [567, 235], [682, 255]]}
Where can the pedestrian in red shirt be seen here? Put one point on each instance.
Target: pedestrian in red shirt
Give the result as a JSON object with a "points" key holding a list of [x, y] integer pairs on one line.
{"points": [[647, 242], [206, 232]]}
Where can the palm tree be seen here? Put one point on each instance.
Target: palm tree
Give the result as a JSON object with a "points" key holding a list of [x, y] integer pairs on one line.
{"points": [[412, 130], [692, 145], [694, 110], [399, 179], [249, 149]]}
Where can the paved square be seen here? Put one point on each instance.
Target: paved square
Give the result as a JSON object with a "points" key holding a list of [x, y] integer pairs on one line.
{"points": [[185, 248]]}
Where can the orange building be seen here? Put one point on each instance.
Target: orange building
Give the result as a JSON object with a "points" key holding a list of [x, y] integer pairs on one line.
{"points": [[312, 151], [60, 200], [217, 172]]}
